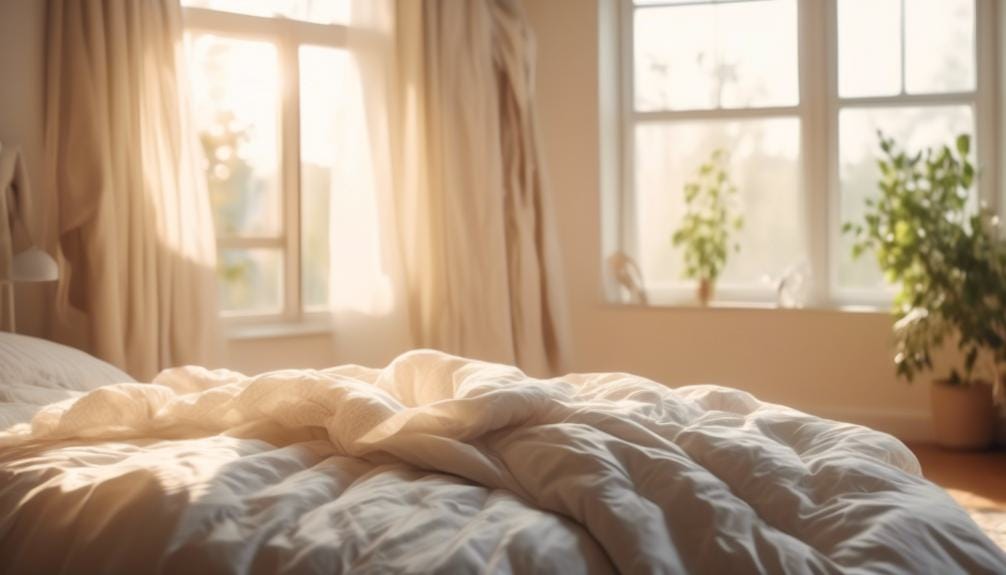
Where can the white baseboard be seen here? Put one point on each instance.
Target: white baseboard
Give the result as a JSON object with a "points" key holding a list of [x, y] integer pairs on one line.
{"points": [[910, 426]]}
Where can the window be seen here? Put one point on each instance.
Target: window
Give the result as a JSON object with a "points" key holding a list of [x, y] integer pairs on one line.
{"points": [[794, 91], [266, 77], [918, 84]]}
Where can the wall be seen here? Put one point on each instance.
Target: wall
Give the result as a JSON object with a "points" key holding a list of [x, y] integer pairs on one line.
{"points": [[257, 354], [835, 364], [22, 79]]}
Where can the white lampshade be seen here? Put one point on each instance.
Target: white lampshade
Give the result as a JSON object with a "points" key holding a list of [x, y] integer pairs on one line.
{"points": [[33, 265]]}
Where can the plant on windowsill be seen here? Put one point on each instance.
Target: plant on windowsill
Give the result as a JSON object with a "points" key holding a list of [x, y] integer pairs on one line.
{"points": [[949, 260], [709, 221]]}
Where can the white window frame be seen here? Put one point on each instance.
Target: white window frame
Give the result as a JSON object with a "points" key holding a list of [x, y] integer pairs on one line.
{"points": [[818, 111], [288, 36]]}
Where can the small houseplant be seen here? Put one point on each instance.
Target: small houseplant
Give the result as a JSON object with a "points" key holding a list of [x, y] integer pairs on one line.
{"points": [[944, 251], [709, 220]]}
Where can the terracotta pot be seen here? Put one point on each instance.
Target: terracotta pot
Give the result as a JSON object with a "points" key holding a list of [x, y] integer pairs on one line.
{"points": [[963, 415], [705, 292]]}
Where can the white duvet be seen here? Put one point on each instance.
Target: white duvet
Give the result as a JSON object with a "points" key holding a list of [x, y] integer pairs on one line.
{"points": [[440, 464]]}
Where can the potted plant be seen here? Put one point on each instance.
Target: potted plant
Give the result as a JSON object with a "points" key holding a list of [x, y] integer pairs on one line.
{"points": [[709, 219], [944, 251]]}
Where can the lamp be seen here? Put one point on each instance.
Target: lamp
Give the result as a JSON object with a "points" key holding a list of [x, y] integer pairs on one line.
{"points": [[31, 264]]}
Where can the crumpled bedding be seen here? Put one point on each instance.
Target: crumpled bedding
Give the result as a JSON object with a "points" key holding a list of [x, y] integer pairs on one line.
{"points": [[441, 464]]}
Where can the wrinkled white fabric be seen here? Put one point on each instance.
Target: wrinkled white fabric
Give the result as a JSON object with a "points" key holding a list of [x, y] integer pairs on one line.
{"points": [[438, 463], [35, 372]]}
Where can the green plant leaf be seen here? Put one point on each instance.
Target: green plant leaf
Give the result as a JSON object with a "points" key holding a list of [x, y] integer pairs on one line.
{"points": [[963, 144], [947, 259], [704, 234]]}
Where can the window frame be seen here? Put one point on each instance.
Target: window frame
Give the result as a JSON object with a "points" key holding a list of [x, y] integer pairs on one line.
{"points": [[818, 110], [288, 36]]}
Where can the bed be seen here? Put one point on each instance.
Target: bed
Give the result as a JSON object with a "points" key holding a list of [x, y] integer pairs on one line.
{"points": [[442, 464]]}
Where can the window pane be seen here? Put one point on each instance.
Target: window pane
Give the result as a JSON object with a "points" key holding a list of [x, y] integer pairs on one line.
{"points": [[940, 45], [765, 166], [345, 180], [319, 11], [651, 2], [913, 128], [320, 72], [869, 47], [663, 2], [250, 280], [236, 94], [735, 55]]}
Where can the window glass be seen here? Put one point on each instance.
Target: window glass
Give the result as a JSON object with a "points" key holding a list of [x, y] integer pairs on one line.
{"points": [[913, 128], [869, 48], [713, 55], [250, 280], [939, 46], [235, 87], [321, 70], [765, 167]]}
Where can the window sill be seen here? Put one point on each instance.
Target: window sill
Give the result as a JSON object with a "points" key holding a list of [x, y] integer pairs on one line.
{"points": [[271, 330], [746, 298], [742, 306]]}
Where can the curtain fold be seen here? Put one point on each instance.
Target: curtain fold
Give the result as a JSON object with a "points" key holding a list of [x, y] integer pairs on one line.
{"points": [[367, 291], [500, 297], [480, 252], [534, 267], [441, 226], [137, 250]]}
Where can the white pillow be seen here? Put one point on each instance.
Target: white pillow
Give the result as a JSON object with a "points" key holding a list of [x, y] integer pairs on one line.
{"points": [[37, 363]]}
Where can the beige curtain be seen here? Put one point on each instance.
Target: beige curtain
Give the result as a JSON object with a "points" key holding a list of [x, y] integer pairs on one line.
{"points": [[442, 232], [136, 236], [480, 246]]}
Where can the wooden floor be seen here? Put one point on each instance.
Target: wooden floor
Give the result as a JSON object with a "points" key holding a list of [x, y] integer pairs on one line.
{"points": [[981, 475], [977, 481]]}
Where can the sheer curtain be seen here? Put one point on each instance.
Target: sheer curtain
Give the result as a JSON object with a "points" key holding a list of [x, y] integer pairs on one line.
{"points": [[455, 249], [136, 236], [367, 291]]}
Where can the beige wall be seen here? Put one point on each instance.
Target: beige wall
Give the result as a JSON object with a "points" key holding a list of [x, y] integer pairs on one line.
{"points": [[22, 66], [832, 363], [257, 354]]}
